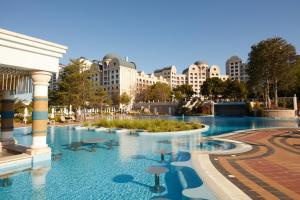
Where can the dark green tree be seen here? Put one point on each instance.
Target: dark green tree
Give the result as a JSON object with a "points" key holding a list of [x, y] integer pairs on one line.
{"points": [[76, 87], [270, 67], [212, 87], [235, 90], [182, 92], [160, 92]]}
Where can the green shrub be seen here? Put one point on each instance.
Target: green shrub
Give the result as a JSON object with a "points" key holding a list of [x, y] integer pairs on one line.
{"points": [[151, 125]]}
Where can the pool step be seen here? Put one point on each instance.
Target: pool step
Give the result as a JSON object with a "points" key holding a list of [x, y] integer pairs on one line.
{"points": [[12, 158]]}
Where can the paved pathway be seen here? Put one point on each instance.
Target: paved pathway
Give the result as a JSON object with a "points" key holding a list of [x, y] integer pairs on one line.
{"points": [[271, 170]]}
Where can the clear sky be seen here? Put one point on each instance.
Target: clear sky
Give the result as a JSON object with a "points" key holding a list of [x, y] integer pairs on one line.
{"points": [[155, 33]]}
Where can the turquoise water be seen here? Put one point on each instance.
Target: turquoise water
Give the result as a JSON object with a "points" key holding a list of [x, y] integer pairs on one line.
{"points": [[115, 169]]}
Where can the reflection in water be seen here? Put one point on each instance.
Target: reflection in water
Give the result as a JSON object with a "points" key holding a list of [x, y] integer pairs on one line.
{"points": [[39, 176], [5, 182]]}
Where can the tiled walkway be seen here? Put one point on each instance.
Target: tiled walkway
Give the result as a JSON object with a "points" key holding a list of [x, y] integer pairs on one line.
{"points": [[271, 170]]}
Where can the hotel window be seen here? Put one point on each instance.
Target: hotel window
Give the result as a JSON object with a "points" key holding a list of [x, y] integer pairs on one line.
{"points": [[112, 82], [112, 77], [112, 71], [117, 71], [191, 74], [117, 76], [117, 81]]}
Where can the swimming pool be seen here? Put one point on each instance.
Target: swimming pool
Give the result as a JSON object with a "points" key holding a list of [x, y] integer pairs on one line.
{"points": [[115, 168]]}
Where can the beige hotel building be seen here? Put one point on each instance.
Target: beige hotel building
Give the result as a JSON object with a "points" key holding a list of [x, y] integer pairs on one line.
{"points": [[118, 76]]}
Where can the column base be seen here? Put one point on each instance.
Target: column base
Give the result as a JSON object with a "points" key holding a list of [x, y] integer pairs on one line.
{"points": [[40, 155]]}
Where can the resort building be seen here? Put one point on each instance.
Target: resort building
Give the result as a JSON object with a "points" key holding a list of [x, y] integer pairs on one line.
{"points": [[144, 80], [214, 71], [170, 74], [119, 75], [236, 69], [196, 74]]}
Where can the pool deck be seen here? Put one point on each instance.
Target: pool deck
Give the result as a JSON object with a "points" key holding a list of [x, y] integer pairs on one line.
{"points": [[271, 170]]}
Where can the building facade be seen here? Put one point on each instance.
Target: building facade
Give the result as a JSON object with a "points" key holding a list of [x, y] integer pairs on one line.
{"points": [[236, 69], [193, 75], [145, 80], [118, 76]]}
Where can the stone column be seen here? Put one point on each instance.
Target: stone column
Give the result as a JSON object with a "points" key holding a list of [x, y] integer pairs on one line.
{"points": [[7, 118], [40, 81]]}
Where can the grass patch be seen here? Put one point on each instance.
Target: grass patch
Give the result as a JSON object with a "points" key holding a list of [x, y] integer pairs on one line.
{"points": [[150, 125]]}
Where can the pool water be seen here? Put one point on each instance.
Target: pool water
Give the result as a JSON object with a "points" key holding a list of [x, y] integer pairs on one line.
{"points": [[115, 168]]}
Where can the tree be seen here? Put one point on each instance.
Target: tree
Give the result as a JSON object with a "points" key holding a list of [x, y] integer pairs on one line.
{"points": [[270, 66], [76, 87], [143, 95], [125, 99], [235, 90], [160, 92], [182, 92], [212, 87]]}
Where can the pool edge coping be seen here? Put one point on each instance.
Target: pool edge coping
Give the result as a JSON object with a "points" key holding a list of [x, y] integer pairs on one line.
{"points": [[217, 183], [176, 133]]}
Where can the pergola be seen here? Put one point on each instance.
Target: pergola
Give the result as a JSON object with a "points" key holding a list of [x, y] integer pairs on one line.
{"points": [[26, 66]]}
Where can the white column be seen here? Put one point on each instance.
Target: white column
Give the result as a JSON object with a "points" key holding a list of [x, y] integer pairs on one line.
{"points": [[40, 81]]}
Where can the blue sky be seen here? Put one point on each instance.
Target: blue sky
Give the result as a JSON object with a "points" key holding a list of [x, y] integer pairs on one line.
{"points": [[155, 33]]}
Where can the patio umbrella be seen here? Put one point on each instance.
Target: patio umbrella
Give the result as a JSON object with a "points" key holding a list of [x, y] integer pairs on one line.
{"points": [[52, 114], [66, 111], [25, 115], [70, 110]]}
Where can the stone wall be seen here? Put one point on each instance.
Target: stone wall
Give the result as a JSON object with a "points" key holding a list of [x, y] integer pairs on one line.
{"points": [[166, 108], [279, 113]]}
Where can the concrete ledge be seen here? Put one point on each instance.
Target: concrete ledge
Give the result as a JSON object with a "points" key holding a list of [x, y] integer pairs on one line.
{"points": [[220, 185], [175, 133], [119, 131], [280, 113], [80, 128], [101, 129], [15, 163]]}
